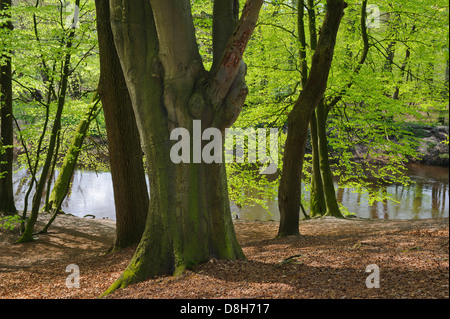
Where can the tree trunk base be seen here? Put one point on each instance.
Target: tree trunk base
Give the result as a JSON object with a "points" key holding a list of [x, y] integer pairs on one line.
{"points": [[284, 234]]}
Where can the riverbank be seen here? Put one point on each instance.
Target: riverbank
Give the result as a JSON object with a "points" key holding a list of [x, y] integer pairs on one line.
{"points": [[328, 260], [433, 146]]}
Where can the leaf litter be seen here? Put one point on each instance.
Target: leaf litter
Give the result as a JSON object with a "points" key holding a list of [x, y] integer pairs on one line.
{"points": [[328, 260]]}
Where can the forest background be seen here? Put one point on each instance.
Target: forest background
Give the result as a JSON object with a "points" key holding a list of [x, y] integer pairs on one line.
{"points": [[384, 86]]}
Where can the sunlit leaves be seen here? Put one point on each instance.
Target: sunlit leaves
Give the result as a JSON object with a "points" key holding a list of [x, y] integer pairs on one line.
{"points": [[38, 48]]}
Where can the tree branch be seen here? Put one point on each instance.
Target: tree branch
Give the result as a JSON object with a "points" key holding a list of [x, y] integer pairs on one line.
{"points": [[224, 74], [225, 18], [323, 56], [178, 48], [361, 61], [292, 33]]}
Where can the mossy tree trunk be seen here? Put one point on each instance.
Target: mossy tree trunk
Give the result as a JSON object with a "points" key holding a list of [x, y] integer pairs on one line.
{"points": [[317, 196], [62, 184], [189, 219], [289, 192], [131, 197], [323, 198], [7, 205]]}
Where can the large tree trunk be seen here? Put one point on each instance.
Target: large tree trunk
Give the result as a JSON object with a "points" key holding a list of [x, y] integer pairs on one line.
{"points": [[7, 205], [127, 168], [189, 218], [289, 192]]}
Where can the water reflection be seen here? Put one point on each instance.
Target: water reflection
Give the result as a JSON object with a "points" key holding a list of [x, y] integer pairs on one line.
{"points": [[428, 197], [90, 193]]}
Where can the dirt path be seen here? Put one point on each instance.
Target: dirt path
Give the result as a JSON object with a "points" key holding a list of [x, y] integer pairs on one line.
{"points": [[330, 260]]}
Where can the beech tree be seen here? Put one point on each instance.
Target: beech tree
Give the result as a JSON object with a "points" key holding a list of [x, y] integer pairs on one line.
{"points": [[289, 192], [125, 153], [189, 219]]}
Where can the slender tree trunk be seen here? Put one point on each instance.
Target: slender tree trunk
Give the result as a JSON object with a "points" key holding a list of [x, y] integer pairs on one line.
{"points": [[323, 197], [7, 205], [317, 197], [390, 53], [131, 196], [332, 207], [289, 192], [446, 81], [34, 168], [29, 228], [62, 184], [444, 93], [396, 93]]}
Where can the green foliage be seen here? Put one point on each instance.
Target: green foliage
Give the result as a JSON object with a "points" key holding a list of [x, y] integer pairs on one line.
{"points": [[2, 151], [202, 14], [9, 222], [371, 132], [368, 130], [37, 46], [247, 187], [445, 142]]}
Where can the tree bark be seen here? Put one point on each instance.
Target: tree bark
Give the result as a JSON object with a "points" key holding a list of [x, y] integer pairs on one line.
{"points": [[289, 192], [131, 197], [317, 196], [7, 205], [189, 219], [323, 196]]}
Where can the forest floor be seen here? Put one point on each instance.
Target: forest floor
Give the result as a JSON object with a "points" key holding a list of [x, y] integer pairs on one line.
{"points": [[328, 260]]}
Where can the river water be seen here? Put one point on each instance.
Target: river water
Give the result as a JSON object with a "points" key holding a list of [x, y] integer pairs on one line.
{"points": [[428, 197]]}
